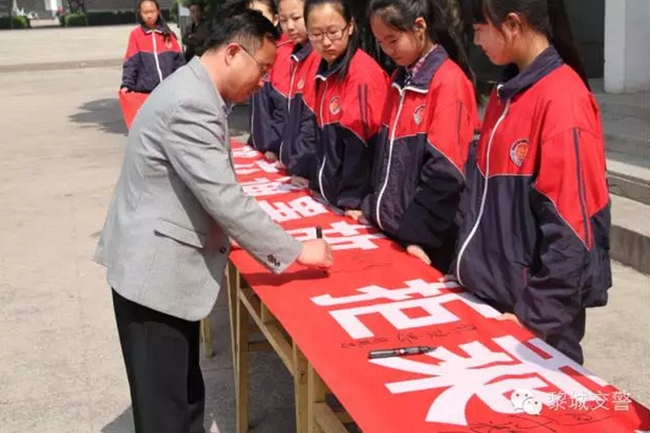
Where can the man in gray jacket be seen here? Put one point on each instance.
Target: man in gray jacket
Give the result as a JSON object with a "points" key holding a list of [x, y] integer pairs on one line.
{"points": [[166, 238]]}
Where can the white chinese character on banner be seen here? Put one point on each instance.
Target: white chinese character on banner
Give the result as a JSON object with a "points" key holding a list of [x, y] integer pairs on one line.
{"points": [[432, 301], [303, 207], [487, 375], [621, 401], [557, 400], [600, 401], [579, 401], [245, 152], [264, 187], [372, 293], [342, 236], [255, 166]]}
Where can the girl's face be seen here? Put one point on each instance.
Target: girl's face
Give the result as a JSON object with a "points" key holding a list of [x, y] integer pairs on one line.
{"points": [[292, 20], [149, 13], [497, 43], [265, 10], [329, 32], [405, 48]]}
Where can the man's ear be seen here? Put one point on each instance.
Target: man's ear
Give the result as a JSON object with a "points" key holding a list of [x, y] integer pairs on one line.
{"points": [[231, 51]]}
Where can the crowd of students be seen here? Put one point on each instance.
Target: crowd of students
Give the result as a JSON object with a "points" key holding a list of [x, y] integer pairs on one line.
{"points": [[514, 206]]}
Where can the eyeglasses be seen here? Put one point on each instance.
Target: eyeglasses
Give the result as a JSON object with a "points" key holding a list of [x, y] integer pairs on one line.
{"points": [[265, 69], [332, 35]]}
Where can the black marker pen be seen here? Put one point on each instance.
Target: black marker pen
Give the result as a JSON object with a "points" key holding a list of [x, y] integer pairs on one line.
{"points": [[402, 351], [319, 235]]}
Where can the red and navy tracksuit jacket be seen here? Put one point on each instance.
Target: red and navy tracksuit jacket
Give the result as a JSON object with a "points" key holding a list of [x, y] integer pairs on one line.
{"points": [[269, 104], [348, 111], [428, 125], [150, 59], [535, 216], [296, 150]]}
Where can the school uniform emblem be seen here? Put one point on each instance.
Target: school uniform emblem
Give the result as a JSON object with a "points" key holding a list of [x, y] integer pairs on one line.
{"points": [[335, 105], [418, 114], [519, 151]]}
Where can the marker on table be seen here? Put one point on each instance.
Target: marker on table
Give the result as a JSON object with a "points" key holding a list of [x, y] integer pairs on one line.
{"points": [[402, 351], [319, 235]]}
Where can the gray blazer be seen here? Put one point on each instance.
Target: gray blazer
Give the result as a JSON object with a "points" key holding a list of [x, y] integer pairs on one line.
{"points": [[166, 237]]}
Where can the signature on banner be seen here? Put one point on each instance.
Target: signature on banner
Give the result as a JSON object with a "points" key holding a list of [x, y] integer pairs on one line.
{"points": [[492, 376]]}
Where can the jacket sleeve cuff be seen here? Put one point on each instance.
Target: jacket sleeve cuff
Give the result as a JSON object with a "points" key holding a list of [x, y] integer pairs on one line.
{"points": [[280, 262]]}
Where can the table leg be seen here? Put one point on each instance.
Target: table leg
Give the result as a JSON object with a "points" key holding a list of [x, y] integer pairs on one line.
{"points": [[316, 395], [241, 366], [301, 389], [206, 337]]}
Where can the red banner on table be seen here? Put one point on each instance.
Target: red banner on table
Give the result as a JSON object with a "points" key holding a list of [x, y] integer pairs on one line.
{"points": [[484, 376], [130, 103]]}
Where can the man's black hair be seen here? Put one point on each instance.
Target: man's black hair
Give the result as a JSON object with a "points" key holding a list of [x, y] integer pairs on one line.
{"points": [[242, 25]]}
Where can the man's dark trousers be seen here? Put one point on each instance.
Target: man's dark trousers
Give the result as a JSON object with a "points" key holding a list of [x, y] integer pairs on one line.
{"points": [[161, 354]]}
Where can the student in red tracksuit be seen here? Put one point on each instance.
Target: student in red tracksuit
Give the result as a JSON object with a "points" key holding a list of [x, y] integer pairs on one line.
{"points": [[269, 104], [535, 217], [299, 134], [153, 52], [429, 120], [351, 89]]}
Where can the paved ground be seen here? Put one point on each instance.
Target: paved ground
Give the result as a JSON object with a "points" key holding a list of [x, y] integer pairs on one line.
{"points": [[61, 143]]}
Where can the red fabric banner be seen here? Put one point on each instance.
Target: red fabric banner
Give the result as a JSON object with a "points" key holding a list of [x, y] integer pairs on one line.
{"points": [[130, 103], [484, 375]]}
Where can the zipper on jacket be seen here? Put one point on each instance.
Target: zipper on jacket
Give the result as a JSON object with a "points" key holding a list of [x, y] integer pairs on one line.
{"points": [[322, 167], [293, 77], [402, 94], [155, 55], [472, 233]]}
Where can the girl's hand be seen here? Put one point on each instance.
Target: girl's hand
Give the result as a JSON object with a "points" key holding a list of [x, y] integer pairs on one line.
{"points": [[419, 253], [512, 318], [124, 90], [300, 182], [271, 156], [280, 165], [357, 215]]}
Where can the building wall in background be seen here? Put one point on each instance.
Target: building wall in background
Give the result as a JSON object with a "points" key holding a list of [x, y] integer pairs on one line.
{"points": [[119, 5]]}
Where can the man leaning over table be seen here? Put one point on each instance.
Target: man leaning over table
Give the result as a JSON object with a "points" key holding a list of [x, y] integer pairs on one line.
{"points": [[177, 202]]}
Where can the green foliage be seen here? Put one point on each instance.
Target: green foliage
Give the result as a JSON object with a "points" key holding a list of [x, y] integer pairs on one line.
{"points": [[74, 20], [14, 22]]}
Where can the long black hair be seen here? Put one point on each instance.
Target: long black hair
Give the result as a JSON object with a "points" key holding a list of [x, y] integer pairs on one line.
{"points": [[548, 17], [166, 31], [401, 15], [343, 8]]}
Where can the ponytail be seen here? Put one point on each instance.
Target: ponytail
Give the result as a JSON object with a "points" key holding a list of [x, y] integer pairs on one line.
{"points": [[444, 31], [401, 15], [561, 37]]}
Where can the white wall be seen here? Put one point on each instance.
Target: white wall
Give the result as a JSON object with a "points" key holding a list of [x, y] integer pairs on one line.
{"points": [[627, 45]]}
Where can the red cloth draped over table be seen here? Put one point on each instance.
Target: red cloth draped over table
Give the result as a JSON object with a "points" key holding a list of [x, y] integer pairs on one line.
{"points": [[130, 103], [485, 376]]}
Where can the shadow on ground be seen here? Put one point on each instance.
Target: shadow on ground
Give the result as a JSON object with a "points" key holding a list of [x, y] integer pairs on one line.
{"points": [[103, 114], [121, 424]]}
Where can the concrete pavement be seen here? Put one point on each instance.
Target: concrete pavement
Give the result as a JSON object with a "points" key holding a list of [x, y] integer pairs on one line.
{"points": [[61, 145]]}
